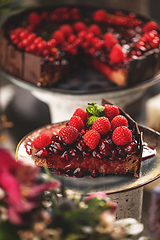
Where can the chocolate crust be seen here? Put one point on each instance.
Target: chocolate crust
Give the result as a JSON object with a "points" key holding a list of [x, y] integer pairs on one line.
{"points": [[134, 162]]}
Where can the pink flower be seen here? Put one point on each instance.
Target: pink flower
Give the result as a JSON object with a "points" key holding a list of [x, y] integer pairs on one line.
{"points": [[112, 206], [19, 181], [100, 195]]}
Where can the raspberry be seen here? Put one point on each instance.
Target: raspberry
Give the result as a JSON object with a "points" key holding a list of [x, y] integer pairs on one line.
{"points": [[79, 26], [102, 125], [111, 111], [122, 136], [51, 43], [76, 122], [99, 15], [91, 138], [95, 29], [58, 35], [41, 46], [117, 55], [69, 134], [41, 141], [82, 114], [34, 18], [118, 121], [66, 29], [149, 26], [110, 40]]}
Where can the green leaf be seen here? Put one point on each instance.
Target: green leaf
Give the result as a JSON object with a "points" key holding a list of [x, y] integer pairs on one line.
{"points": [[8, 231], [95, 109], [91, 120]]}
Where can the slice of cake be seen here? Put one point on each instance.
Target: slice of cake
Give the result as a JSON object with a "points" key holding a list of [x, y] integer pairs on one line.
{"points": [[99, 141]]}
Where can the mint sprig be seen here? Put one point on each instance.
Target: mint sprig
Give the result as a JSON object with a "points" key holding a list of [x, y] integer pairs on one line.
{"points": [[95, 111]]}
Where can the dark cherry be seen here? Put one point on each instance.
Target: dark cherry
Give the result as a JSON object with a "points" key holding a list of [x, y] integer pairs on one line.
{"points": [[131, 147], [105, 146]]}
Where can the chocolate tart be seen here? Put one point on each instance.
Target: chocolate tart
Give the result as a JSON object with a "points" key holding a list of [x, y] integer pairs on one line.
{"points": [[78, 160], [46, 70]]}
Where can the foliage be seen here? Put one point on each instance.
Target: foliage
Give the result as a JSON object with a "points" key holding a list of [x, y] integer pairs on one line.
{"points": [[35, 206]]}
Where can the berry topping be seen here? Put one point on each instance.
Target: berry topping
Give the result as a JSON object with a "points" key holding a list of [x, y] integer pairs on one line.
{"points": [[118, 121], [91, 138], [149, 26], [34, 19], [117, 55], [99, 15], [76, 122], [41, 141], [69, 134], [110, 40], [105, 146], [82, 114], [122, 136], [58, 35], [51, 43], [79, 26], [131, 147], [95, 29], [111, 111], [102, 125], [66, 29]]}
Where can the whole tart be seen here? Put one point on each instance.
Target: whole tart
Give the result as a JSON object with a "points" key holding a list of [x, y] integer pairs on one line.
{"points": [[45, 46], [99, 141]]}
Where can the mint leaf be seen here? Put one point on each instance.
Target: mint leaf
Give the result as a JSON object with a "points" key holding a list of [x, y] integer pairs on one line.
{"points": [[91, 120], [95, 109]]}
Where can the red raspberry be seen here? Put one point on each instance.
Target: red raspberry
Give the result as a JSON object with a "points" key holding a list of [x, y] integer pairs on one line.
{"points": [[122, 136], [102, 125], [95, 29], [23, 34], [117, 55], [34, 18], [111, 111], [110, 40], [149, 26], [91, 138], [37, 40], [32, 48], [72, 38], [31, 37], [41, 141], [51, 43], [99, 15], [79, 26], [69, 134], [76, 122], [58, 35], [66, 29], [118, 121], [82, 114], [41, 46]]}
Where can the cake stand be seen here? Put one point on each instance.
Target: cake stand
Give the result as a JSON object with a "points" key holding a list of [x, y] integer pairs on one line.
{"points": [[126, 191], [63, 100]]}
